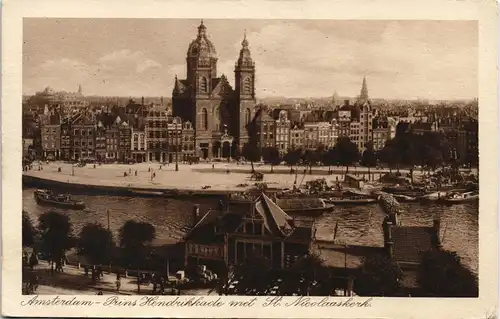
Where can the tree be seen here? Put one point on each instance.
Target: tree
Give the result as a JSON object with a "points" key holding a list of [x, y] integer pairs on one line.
{"points": [[96, 243], [135, 241], [389, 155], [378, 276], [29, 230], [330, 158], [251, 152], [369, 159], [272, 156], [293, 157], [347, 152], [55, 235], [308, 269], [441, 274], [254, 272]]}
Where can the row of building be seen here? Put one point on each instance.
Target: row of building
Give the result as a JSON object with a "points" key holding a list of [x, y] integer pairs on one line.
{"points": [[209, 118], [104, 136]]}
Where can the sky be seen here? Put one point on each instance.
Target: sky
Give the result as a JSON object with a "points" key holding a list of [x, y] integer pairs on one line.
{"points": [[294, 58]]}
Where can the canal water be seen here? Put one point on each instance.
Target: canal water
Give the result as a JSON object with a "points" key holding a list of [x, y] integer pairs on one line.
{"points": [[359, 225]]}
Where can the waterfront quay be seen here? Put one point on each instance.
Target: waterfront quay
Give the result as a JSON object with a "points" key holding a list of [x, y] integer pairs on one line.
{"points": [[203, 177]]}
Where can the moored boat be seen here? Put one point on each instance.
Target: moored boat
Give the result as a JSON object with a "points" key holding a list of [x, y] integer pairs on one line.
{"points": [[434, 196], [404, 198], [146, 193], [46, 197], [457, 198], [350, 200], [305, 205], [309, 206]]}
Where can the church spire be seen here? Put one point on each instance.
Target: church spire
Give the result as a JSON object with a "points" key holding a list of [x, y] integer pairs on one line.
{"points": [[244, 43], [80, 89], [202, 29], [363, 96]]}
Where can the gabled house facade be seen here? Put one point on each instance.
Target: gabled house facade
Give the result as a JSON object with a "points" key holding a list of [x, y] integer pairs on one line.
{"points": [[230, 235], [83, 129]]}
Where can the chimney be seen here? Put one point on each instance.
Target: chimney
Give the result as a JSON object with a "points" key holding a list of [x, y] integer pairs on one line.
{"points": [[142, 99], [386, 226], [196, 214], [388, 244], [161, 100]]}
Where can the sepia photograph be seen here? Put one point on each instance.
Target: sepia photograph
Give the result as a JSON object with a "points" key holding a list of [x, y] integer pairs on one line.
{"points": [[250, 157]]}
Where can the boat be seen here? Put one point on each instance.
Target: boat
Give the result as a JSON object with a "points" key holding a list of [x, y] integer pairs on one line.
{"points": [[304, 205], [46, 197], [434, 196], [457, 198], [405, 190], [350, 200], [307, 206], [351, 197], [146, 193], [404, 198]]}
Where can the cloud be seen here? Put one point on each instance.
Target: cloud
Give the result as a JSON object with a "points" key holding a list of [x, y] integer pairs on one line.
{"points": [[125, 58], [401, 59]]}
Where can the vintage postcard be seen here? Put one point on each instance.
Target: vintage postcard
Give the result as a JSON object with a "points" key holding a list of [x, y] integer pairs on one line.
{"points": [[294, 159]]}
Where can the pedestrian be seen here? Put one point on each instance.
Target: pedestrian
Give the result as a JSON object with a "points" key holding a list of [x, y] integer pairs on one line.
{"points": [[154, 175], [86, 270], [93, 275], [213, 166], [100, 273], [130, 171], [94, 165], [154, 283], [33, 260], [149, 169], [135, 172], [118, 282], [160, 167], [162, 286]]}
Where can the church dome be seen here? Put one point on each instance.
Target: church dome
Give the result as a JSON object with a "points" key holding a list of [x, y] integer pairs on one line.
{"points": [[202, 46]]}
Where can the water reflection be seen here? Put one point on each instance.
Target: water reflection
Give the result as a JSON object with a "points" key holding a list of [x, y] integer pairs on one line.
{"points": [[360, 225]]}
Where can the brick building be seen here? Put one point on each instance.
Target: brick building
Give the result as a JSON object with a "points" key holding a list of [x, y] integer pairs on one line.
{"points": [[209, 101]]}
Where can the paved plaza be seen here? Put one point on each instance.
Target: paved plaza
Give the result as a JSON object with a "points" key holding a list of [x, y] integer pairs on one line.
{"points": [[220, 176]]}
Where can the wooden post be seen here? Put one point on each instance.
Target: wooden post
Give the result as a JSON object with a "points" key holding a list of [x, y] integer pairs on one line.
{"points": [[282, 254], [138, 281]]}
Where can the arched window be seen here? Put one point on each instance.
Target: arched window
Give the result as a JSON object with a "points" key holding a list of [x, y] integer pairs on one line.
{"points": [[203, 84], [247, 116], [216, 116], [204, 119], [247, 85]]}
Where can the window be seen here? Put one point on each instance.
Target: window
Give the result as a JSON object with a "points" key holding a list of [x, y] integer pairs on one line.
{"points": [[203, 84], [247, 86], [204, 119], [217, 118], [247, 116]]}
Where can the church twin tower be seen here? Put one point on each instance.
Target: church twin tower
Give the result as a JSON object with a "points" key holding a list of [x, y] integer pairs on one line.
{"points": [[217, 111]]}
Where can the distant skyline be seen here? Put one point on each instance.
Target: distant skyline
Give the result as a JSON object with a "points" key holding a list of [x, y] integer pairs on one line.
{"points": [[435, 60]]}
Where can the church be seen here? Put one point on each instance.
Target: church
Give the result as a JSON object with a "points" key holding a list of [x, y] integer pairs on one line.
{"points": [[220, 113]]}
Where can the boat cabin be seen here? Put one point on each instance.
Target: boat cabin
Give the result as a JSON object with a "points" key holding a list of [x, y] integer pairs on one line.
{"points": [[353, 181]]}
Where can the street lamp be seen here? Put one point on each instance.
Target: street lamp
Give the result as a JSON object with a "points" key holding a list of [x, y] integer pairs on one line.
{"points": [[176, 148]]}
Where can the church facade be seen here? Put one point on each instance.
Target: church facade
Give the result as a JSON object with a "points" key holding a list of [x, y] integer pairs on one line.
{"points": [[220, 113]]}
